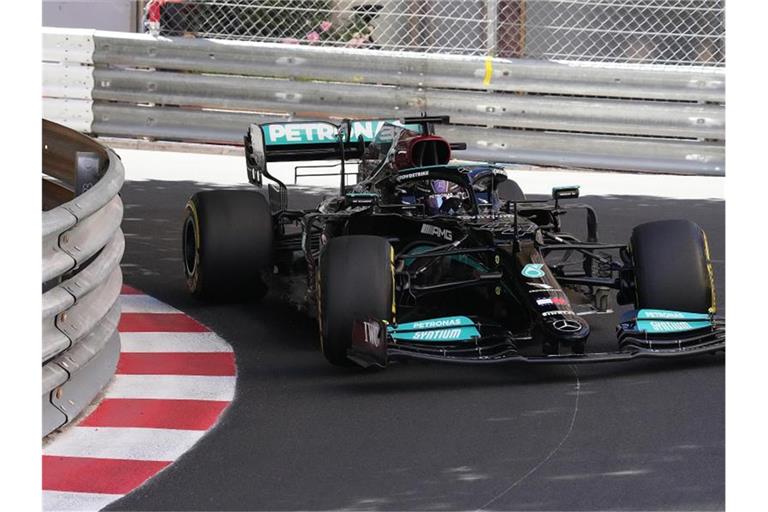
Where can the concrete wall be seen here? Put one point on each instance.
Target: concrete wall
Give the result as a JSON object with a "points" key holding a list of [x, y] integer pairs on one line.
{"points": [[120, 15]]}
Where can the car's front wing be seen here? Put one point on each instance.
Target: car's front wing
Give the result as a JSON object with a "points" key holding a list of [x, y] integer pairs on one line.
{"points": [[374, 345]]}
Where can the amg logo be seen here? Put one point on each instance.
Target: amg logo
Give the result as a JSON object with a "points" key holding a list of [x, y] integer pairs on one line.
{"points": [[428, 229]]}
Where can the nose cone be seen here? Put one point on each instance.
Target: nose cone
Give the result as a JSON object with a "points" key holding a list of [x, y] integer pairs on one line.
{"points": [[568, 327]]}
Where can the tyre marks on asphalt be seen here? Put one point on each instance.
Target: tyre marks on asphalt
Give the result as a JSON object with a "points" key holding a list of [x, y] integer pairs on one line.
{"points": [[174, 379], [552, 453]]}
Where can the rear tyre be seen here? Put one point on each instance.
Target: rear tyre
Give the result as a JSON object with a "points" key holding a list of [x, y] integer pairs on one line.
{"points": [[671, 267], [227, 245], [355, 282], [509, 190]]}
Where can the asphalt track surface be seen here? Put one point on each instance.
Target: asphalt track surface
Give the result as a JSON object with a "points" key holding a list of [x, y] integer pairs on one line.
{"points": [[303, 435]]}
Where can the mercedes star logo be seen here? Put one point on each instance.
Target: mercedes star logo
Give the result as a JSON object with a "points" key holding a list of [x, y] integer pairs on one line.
{"points": [[565, 325]]}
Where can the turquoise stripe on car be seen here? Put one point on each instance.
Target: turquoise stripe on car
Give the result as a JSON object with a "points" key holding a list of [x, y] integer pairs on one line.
{"points": [[444, 329], [658, 321]]}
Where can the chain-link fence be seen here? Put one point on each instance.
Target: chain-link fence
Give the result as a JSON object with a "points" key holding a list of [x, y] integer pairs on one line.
{"points": [[671, 32]]}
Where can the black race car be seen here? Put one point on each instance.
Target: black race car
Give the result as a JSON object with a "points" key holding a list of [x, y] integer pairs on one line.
{"points": [[424, 259]]}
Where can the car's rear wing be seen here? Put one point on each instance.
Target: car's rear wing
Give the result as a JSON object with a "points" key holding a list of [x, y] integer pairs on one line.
{"points": [[302, 141], [319, 140]]}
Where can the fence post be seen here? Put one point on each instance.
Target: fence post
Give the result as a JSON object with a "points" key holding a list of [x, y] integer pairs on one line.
{"points": [[492, 17]]}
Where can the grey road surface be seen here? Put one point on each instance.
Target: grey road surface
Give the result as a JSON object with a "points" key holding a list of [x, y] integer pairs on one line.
{"points": [[302, 435]]}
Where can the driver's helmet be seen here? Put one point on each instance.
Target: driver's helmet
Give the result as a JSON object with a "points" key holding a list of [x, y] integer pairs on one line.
{"points": [[445, 199]]}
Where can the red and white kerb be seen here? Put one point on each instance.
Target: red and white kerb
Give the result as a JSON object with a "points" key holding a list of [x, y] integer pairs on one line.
{"points": [[174, 379]]}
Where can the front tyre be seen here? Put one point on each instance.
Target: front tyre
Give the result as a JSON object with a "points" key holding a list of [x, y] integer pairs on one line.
{"points": [[672, 270], [227, 245], [355, 282]]}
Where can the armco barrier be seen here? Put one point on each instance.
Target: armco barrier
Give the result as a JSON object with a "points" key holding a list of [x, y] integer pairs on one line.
{"points": [[652, 119], [82, 247]]}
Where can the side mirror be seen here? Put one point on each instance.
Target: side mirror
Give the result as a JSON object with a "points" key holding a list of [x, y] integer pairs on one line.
{"points": [[570, 192]]}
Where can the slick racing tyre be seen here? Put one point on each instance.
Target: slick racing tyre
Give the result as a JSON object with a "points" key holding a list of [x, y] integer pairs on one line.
{"points": [[227, 245], [509, 190], [671, 267], [355, 282]]}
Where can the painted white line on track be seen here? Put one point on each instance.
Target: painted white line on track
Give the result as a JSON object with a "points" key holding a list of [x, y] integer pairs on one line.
{"points": [[173, 387], [56, 500], [172, 342], [124, 443], [144, 304]]}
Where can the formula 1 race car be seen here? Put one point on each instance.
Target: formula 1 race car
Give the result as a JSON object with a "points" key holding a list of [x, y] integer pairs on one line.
{"points": [[425, 259]]}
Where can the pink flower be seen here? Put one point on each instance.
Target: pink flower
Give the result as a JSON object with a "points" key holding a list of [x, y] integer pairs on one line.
{"points": [[313, 37], [355, 42], [325, 25], [290, 40]]}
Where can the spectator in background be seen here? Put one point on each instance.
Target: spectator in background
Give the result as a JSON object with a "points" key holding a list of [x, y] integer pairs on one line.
{"points": [[167, 17]]}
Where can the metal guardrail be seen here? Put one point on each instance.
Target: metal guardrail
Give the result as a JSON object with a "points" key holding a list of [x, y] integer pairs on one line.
{"points": [[398, 68], [651, 119], [82, 248]]}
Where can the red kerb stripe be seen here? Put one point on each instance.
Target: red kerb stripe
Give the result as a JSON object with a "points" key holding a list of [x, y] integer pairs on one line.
{"points": [[130, 290], [159, 322], [155, 413], [103, 476], [177, 363]]}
